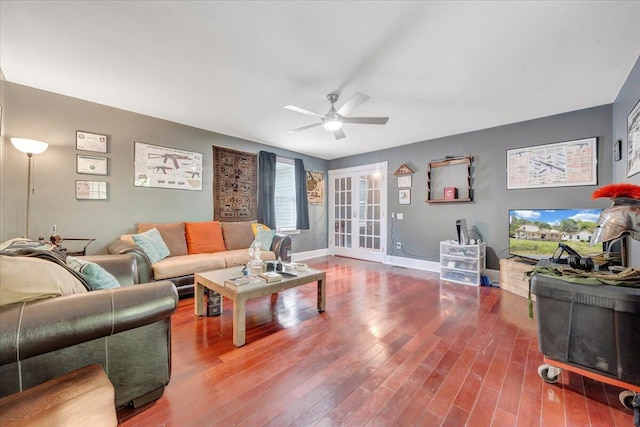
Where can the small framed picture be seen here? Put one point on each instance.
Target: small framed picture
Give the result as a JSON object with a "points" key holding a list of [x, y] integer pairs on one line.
{"points": [[91, 165], [404, 181], [404, 197], [87, 141], [91, 190], [617, 150]]}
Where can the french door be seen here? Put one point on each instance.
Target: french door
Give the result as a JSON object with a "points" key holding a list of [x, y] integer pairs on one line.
{"points": [[358, 212]]}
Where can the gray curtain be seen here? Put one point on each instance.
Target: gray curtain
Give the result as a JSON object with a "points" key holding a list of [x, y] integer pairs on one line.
{"points": [[302, 207], [266, 189]]}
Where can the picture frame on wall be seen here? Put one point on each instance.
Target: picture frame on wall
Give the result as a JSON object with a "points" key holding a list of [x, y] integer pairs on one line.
{"points": [[87, 141], [560, 164], [617, 150], [165, 167], [633, 141], [315, 187], [404, 181], [404, 197], [92, 165], [91, 190]]}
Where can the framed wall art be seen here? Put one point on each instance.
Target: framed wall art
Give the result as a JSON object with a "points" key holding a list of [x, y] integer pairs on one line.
{"points": [[163, 167], [87, 141], [404, 181], [315, 187], [633, 141], [92, 165], [404, 197], [561, 164], [91, 190]]}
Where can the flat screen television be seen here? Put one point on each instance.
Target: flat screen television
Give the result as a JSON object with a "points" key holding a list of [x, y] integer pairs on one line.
{"points": [[535, 233]]}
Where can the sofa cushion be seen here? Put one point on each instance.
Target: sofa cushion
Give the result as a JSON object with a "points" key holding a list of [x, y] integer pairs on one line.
{"points": [[237, 235], [152, 244], [204, 237], [187, 264], [29, 278], [96, 276], [265, 238], [241, 257], [256, 226], [172, 233]]}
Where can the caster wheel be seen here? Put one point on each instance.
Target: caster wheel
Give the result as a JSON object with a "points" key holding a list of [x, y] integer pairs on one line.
{"points": [[549, 374], [626, 398]]}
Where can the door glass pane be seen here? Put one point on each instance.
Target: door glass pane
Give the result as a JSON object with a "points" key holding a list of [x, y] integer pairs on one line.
{"points": [[349, 184]]}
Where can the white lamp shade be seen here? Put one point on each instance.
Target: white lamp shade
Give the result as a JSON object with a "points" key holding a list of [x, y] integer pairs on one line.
{"points": [[29, 146], [332, 124]]}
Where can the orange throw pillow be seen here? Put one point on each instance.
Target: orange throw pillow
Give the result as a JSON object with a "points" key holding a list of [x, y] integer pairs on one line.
{"points": [[204, 237]]}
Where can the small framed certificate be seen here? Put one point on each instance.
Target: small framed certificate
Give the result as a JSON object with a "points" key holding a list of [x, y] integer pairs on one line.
{"points": [[91, 190], [91, 165], [404, 181], [87, 141]]}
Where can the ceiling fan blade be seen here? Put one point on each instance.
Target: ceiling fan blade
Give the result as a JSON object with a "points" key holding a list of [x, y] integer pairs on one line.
{"points": [[366, 120], [303, 111], [352, 103], [304, 127], [339, 134]]}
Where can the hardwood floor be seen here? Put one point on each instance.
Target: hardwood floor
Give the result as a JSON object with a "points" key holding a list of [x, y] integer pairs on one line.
{"points": [[395, 347]]}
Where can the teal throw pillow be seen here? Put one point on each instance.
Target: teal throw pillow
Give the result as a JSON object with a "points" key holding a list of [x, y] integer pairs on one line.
{"points": [[265, 238], [152, 244], [96, 276]]}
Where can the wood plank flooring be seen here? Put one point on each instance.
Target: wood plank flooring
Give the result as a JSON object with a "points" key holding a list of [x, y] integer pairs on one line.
{"points": [[396, 347]]}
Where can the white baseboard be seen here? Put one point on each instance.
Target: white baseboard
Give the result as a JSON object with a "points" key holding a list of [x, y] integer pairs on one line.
{"points": [[418, 264], [434, 266], [299, 256]]}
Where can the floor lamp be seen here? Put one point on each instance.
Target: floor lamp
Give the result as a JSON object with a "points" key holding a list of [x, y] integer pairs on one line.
{"points": [[29, 147]]}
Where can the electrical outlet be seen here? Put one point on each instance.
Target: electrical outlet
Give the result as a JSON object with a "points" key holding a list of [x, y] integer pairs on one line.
{"points": [[398, 245], [393, 215], [400, 215]]}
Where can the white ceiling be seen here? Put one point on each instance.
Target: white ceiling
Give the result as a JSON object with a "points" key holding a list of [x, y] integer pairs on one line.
{"points": [[435, 68]]}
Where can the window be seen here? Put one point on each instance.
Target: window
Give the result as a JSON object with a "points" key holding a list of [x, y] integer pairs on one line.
{"points": [[285, 194]]}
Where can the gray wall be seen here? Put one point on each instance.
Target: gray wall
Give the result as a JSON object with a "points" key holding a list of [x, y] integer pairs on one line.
{"points": [[627, 98], [425, 225], [53, 118]]}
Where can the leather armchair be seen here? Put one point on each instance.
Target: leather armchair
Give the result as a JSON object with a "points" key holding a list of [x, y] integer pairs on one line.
{"points": [[126, 330]]}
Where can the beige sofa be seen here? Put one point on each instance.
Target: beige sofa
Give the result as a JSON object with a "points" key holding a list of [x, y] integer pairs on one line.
{"points": [[195, 247]]}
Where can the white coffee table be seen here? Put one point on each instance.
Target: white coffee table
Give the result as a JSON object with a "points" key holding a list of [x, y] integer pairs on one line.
{"points": [[215, 279]]}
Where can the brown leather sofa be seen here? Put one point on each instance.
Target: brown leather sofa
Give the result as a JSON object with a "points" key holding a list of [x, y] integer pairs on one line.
{"points": [[125, 330]]}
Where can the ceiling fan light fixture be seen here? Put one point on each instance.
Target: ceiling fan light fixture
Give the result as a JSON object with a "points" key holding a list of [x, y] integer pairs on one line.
{"points": [[332, 123]]}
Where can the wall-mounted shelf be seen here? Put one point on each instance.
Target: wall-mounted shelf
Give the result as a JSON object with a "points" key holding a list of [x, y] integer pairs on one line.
{"points": [[455, 173]]}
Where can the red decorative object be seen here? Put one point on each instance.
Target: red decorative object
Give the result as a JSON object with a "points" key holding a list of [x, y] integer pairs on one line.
{"points": [[618, 190], [450, 193]]}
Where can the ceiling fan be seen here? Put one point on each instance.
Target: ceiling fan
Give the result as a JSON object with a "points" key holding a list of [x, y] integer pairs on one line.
{"points": [[334, 120]]}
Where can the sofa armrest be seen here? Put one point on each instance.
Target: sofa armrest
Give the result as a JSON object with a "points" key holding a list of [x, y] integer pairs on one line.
{"points": [[281, 246], [38, 327], [145, 272], [123, 267]]}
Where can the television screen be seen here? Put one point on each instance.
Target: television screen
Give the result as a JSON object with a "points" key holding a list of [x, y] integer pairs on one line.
{"points": [[535, 233]]}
